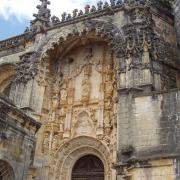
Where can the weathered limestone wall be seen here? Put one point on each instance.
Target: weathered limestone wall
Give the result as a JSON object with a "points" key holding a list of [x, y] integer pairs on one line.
{"points": [[176, 5], [149, 128], [17, 140]]}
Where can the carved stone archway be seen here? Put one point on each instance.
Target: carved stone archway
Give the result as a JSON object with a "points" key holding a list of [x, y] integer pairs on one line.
{"points": [[88, 167], [72, 150], [6, 171]]}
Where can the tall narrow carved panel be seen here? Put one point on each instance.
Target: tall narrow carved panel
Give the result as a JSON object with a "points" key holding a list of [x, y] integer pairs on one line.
{"points": [[83, 94]]}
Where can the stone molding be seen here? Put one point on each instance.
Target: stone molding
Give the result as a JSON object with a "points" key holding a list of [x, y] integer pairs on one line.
{"points": [[70, 151]]}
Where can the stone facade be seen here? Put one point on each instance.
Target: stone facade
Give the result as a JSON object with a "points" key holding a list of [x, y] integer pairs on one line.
{"points": [[17, 141], [102, 82], [176, 10]]}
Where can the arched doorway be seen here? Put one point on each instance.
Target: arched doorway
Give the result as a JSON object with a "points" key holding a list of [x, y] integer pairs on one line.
{"points": [[88, 167], [6, 171]]}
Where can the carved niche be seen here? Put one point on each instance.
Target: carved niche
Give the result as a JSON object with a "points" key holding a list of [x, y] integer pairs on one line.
{"points": [[83, 125]]}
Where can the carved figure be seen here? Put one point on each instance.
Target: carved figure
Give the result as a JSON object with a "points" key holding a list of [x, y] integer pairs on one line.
{"points": [[93, 9], [68, 17], [63, 94], [106, 5], [87, 9], [55, 20], [112, 3], [55, 99], [46, 143], [85, 88], [83, 126], [80, 13], [119, 2], [64, 16], [99, 4], [55, 143], [75, 11]]}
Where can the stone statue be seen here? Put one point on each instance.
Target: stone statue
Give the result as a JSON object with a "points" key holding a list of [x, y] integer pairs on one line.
{"points": [[63, 94], [85, 89], [54, 143], [46, 143]]}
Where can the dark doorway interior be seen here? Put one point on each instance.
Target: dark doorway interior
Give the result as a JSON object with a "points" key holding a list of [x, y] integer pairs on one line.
{"points": [[88, 167]]}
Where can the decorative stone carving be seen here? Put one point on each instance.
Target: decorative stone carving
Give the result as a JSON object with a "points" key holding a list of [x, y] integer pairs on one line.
{"points": [[86, 86], [55, 20], [42, 18], [73, 150], [54, 143], [43, 70], [46, 143], [109, 84], [83, 125], [63, 94], [27, 67], [99, 4], [75, 13], [63, 16]]}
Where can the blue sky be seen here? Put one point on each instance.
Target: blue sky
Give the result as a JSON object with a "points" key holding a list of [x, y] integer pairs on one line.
{"points": [[11, 27], [15, 15]]}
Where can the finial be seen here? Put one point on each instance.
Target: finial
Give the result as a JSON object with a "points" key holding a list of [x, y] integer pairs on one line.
{"points": [[68, 17], [119, 2], [112, 3], [44, 13], [87, 8], [93, 9], [27, 30], [55, 20], [80, 13], [42, 17], [75, 11], [106, 5], [63, 16], [99, 4]]}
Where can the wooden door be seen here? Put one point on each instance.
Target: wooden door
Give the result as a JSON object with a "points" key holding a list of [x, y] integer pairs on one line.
{"points": [[88, 168]]}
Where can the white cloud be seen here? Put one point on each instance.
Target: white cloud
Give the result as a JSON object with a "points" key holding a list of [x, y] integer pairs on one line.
{"points": [[23, 9]]}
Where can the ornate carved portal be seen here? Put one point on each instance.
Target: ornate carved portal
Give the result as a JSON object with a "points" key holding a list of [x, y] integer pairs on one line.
{"points": [[88, 168], [82, 103]]}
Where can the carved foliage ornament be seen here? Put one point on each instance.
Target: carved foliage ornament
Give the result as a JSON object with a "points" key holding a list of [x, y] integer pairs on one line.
{"points": [[27, 67], [125, 41]]}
